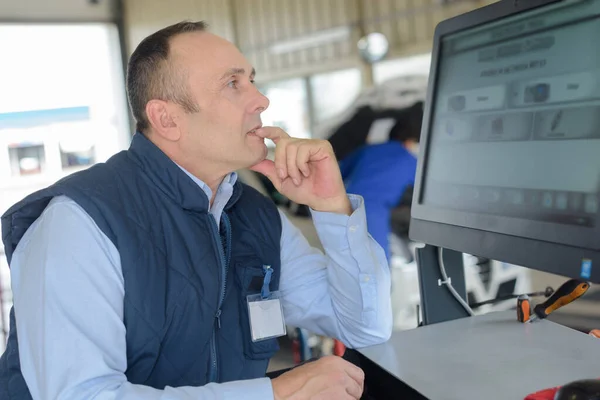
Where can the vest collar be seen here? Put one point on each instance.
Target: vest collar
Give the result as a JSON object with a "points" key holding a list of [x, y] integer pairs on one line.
{"points": [[169, 178]]}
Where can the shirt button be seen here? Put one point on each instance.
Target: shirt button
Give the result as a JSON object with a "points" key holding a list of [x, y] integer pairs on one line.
{"points": [[353, 228], [366, 278]]}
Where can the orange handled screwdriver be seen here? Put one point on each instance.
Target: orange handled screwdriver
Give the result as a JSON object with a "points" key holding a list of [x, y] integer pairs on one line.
{"points": [[568, 292], [523, 308]]}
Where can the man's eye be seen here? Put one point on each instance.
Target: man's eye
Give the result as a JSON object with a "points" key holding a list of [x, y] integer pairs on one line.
{"points": [[232, 84]]}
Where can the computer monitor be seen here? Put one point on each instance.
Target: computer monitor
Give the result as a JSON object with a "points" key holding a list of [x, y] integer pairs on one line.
{"points": [[509, 167]]}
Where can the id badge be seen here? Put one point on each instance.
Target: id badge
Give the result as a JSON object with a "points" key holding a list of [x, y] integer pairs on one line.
{"points": [[266, 317], [265, 311]]}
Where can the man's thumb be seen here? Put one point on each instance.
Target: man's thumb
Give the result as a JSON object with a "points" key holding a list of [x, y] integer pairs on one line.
{"points": [[267, 168]]}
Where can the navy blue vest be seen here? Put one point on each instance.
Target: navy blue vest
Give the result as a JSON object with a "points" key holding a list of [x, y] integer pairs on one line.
{"points": [[186, 281]]}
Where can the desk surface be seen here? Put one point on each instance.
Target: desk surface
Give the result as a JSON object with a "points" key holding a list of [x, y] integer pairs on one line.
{"points": [[487, 357]]}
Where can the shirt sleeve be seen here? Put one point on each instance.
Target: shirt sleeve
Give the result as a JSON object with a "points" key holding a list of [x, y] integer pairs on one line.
{"points": [[344, 293], [68, 299]]}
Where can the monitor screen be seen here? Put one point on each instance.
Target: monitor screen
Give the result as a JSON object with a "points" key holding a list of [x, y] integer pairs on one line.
{"points": [[514, 134]]}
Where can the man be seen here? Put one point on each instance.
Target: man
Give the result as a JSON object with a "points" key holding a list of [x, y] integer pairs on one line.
{"points": [[131, 279], [381, 173]]}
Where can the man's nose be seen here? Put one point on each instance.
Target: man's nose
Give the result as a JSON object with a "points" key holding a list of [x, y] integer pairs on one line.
{"points": [[260, 104]]}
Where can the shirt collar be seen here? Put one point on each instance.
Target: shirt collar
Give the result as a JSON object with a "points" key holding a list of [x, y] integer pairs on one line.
{"points": [[183, 188], [230, 179]]}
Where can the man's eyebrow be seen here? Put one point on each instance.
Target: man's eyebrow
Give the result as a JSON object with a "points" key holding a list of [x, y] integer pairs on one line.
{"points": [[237, 71]]}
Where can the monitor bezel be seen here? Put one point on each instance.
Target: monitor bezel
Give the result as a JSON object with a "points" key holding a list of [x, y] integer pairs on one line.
{"points": [[426, 224]]}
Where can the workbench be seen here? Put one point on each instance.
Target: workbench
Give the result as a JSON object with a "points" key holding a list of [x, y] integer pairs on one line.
{"points": [[490, 357]]}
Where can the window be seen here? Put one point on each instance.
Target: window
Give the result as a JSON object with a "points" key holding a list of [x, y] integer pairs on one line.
{"points": [[27, 158], [288, 108], [415, 65], [63, 108], [63, 104], [332, 93]]}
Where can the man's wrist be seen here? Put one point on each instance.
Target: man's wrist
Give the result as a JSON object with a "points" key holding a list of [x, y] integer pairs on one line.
{"points": [[339, 206], [281, 390], [276, 395]]}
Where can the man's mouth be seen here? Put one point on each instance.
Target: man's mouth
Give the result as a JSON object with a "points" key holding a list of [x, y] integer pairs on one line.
{"points": [[252, 132]]}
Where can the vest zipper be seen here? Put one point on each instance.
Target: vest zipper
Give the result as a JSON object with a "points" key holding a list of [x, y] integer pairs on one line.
{"points": [[224, 247]]}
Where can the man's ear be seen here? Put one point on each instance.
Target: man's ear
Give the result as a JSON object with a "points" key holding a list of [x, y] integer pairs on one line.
{"points": [[162, 118]]}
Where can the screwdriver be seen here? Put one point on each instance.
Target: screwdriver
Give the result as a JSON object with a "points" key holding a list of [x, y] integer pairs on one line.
{"points": [[568, 292]]}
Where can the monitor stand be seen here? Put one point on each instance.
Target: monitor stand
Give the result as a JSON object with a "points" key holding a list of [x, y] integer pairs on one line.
{"points": [[437, 303]]}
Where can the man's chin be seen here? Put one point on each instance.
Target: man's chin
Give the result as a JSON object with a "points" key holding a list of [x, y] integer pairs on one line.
{"points": [[257, 157]]}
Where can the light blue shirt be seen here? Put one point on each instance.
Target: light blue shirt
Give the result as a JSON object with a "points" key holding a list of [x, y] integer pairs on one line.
{"points": [[68, 298]]}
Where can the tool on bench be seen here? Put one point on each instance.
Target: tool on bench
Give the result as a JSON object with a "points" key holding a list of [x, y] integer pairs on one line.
{"points": [[565, 294], [523, 308]]}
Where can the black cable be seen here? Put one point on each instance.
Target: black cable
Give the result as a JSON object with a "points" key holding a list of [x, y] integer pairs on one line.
{"points": [[546, 293]]}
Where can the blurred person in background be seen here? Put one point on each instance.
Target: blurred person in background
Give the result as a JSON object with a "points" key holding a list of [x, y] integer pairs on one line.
{"points": [[382, 173], [131, 278]]}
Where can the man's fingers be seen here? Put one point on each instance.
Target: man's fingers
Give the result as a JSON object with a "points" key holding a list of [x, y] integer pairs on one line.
{"points": [[281, 160], [292, 167], [267, 168], [302, 159], [333, 394], [354, 389], [355, 373], [293, 157], [273, 133]]}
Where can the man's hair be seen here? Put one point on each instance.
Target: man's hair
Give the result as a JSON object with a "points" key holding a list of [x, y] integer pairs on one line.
{"points": [[150, 74], [408, 124]]}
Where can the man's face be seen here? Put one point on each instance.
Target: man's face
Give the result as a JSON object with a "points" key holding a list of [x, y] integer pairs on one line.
{"points": [[220, 80]]}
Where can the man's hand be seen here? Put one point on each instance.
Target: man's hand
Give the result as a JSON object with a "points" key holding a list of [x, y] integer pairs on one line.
{"points": [[305, 171], [329, 378]]}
